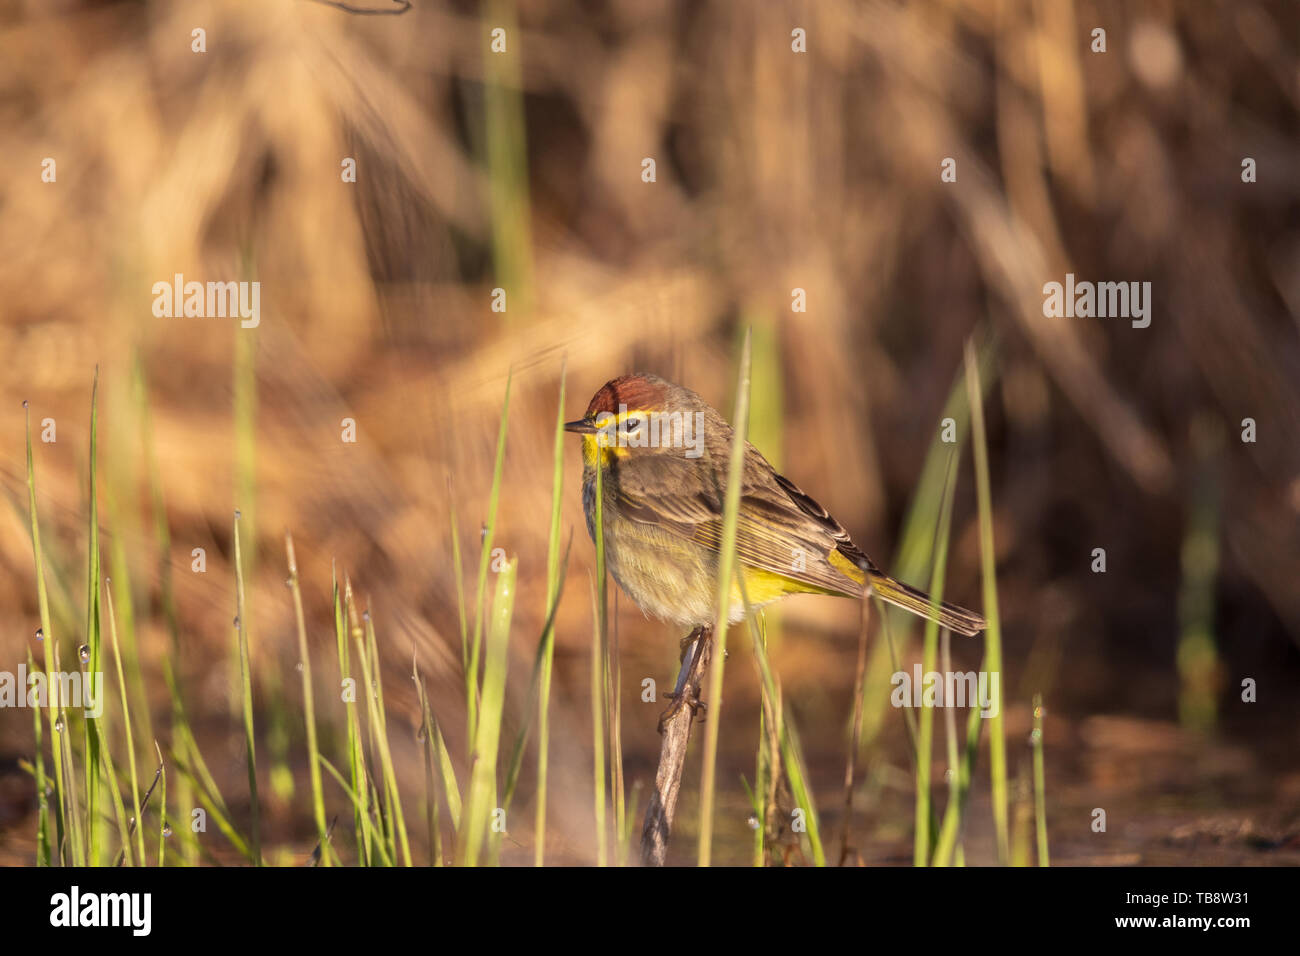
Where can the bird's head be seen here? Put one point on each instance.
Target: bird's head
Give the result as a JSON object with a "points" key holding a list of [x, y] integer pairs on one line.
{"points": [[641, 414]]}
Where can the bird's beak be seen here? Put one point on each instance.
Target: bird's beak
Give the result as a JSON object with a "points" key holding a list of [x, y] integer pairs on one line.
{"points": [[582, 427]]}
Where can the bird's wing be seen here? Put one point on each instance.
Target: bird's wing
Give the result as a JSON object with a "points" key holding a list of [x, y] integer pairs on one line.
{"points": [[780, 529]]}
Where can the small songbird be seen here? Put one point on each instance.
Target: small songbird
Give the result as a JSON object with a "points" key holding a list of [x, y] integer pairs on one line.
{"points": [[664, 456]]}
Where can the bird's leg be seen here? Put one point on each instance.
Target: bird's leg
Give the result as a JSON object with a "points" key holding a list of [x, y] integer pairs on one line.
{"points": [[687, 691]]}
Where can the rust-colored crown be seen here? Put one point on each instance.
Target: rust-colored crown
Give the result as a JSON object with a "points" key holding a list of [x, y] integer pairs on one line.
{"points": [[635, 391]]}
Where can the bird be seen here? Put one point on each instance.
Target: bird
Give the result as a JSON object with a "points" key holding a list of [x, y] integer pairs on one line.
{"points": [[664, 455]]}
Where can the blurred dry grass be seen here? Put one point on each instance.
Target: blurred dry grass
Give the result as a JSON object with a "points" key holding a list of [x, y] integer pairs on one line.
{"points": [[775, 171]]}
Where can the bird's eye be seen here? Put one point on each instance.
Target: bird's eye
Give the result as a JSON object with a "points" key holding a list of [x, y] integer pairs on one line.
{"points": [[632, 424]]}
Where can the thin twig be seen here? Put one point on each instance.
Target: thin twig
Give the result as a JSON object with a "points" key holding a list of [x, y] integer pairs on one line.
{"points": [[314, 859], [672, 756], [144, 802]]}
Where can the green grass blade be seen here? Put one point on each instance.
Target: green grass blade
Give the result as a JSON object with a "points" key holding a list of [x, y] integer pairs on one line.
{"points": [[355, 765], [993, 635], [432, 769], [182, 735], [119, 811], [126, 719], [791, 752], [924, 818], [506, 154], [483, 766], [383, 793], [610, 675], [726, 561], [76, 841], [162, 809], [120, 485], [246, 686], [390, 775], [554, 576], [914, 554], [308, 702], [67, 821], [1040, 784], [451, 788], [122, 619], [1199, 664], [545, 647], [950, 830], [38, 775], [244, 414], [212, 802], [855, 727], [634, 803], [796, 769], [141, 716], [614, 720], [485, 557], [767, 760], [195, 775], [50, 647], [599, 686], [368, 654], [950, 735], [458, 568], [372, 839], [92, 726]]}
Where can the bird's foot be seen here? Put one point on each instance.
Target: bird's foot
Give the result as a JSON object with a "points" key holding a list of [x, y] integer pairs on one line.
{"points": [[679, 701]]}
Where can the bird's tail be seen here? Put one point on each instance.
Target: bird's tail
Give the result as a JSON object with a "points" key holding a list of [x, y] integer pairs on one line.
{"points": [[918, 602]]}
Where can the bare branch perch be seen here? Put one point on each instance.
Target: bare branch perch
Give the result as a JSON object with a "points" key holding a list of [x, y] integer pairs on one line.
{"points": [[672, 757]]}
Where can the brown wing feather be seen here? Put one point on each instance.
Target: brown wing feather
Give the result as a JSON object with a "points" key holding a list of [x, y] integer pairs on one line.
{"points": [[843, 543], [777, 519]]}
